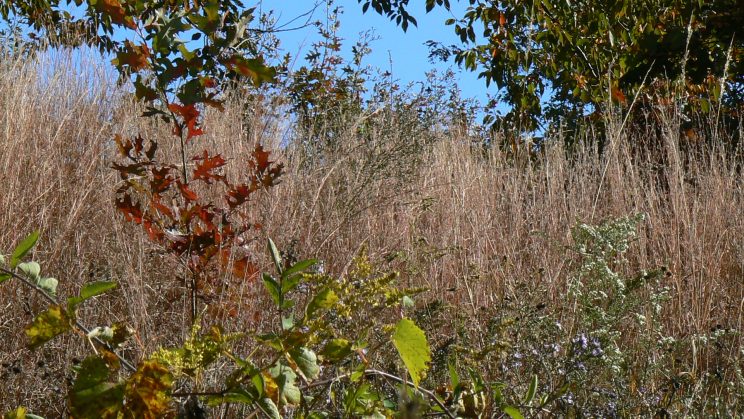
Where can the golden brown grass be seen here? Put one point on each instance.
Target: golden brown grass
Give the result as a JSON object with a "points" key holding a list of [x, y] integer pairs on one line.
{"points": [[472, 226]]}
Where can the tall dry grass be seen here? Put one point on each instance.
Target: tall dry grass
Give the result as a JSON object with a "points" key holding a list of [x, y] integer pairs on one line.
{"points": [[474, 226]]}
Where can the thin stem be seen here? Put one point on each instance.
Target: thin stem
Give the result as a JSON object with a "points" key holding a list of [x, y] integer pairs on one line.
{"points": [[76, 322]]}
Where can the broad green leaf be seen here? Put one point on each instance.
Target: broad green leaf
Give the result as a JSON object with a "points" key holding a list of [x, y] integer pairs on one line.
{"points": [[4, 277], [306, 361], [513, 412], [285, 378], [47, 325], [23, 247], [408, 302], [93, 395], [531, 391], [30, 269], [275, 256], [273, 288], [324, 299], [48, 284], [336, 350], [411, 343]]}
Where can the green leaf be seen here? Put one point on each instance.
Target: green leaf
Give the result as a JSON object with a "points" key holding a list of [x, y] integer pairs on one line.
{"points": [[258, 382], [411, 343], [306, 361], [513, 412], [92, 395], [324, 299], [47, 325], [4, 277], [288, 284], [336, 350], [275, 256], [273, 288], [299, 267], [268, 407], [96, 288], [237, 395], [23, 247], [285, 378], [453, 376], [89, 291], [531, 391], [30, 269], [2, 263]]}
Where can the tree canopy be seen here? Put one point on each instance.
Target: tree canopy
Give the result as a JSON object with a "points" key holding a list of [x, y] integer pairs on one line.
{"points": [[584, 52]]}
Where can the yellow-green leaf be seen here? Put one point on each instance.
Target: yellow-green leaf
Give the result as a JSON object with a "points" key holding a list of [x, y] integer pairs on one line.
{"points": [[47, 325], [411, 343], [324, 299], [147, 390]]}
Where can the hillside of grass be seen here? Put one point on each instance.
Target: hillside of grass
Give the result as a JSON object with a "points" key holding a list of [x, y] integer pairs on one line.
{"points": [[614, 274]]}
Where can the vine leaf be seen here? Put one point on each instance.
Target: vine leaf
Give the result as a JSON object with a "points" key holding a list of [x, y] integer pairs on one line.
{"points": [[47, 325], [411, 343]]}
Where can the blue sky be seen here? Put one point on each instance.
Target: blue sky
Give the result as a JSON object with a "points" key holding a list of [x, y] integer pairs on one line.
{"points": [[407, 51]]}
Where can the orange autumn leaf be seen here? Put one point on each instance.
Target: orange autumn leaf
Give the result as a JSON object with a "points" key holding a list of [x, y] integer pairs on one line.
{"points": [[114, 10], [190, 116], [134, 56], [618, 95]]}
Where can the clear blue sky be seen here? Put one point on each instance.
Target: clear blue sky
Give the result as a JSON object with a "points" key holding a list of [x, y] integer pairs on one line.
{"points": [[408, 51]]}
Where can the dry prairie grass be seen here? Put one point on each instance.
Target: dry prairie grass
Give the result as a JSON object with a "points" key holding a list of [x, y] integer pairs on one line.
{"points": [[473, 226]]}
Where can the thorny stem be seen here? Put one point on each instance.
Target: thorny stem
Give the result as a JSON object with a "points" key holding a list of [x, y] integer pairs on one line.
{"points": [[77, 323]]}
